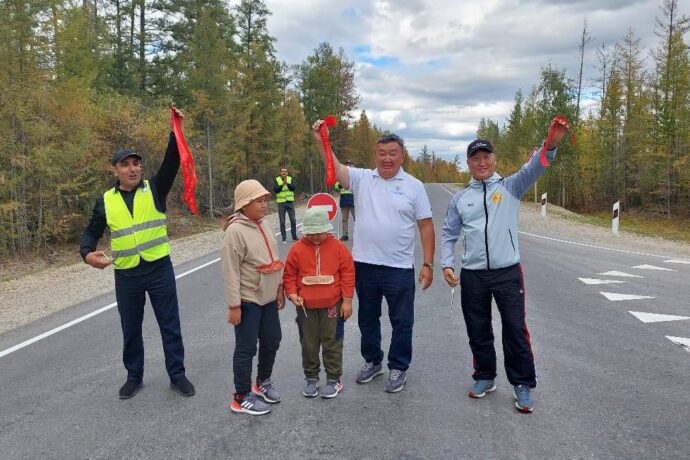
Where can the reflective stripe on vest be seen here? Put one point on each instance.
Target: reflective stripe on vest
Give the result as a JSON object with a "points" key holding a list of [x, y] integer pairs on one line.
{"points": [[143, 235], [285, 193], [341, 189]]}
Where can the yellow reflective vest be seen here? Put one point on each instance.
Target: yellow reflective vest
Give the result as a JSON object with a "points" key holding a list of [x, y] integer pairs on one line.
{"points": [[285, 193], [132, 237], [341, 189]]}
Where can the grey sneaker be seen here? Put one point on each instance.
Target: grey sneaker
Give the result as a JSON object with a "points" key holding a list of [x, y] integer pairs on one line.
{"points": [[311, 389], [367, 373], [396, 381], [481, 388], [249, 404], [265, 390], [523, 401], [332, 388]]}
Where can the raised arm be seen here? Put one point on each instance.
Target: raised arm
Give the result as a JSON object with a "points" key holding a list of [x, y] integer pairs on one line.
{"points": [[342, 174], [521, 181]]}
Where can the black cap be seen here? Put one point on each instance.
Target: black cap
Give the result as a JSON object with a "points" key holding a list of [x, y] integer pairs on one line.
{"points": [[122, 154], [477, 145]]}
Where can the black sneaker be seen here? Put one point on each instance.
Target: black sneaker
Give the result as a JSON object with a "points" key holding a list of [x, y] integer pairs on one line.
{"points": [[184, 386], [129, 389], [344, 238]]}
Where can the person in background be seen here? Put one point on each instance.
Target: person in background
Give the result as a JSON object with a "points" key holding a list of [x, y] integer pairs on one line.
{"points": [[285, 197], [347, 205]]}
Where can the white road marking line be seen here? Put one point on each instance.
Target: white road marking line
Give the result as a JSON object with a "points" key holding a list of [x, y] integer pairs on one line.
{"points": [[682, 341], [598, 281], [42, 336], [653, 267], [656, 318], [622, 274], [593, 246], [677, 261], [615, 297]]}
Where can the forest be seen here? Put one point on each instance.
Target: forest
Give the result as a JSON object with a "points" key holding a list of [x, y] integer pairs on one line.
{"points": [[81, 79]]}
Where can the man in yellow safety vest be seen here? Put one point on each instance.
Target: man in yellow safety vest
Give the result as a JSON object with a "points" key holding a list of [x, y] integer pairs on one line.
{"points": [[285, 196], [134, 211]]}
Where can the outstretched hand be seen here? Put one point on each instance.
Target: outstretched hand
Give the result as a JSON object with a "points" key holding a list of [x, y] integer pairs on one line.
{"points": [[561, 126], [316, 127], [178, 113]]}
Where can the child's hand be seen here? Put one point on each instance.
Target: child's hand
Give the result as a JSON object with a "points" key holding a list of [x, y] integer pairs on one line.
{"points": [[297, 300], [280, 297], [346, 309], [235, 315]]}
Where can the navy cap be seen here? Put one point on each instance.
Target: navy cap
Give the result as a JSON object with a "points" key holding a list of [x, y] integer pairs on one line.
{"points": [[479, 144], [122, 154]]}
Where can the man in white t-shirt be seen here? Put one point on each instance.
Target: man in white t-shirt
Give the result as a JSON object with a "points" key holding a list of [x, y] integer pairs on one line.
{"points": [[390, 203]]}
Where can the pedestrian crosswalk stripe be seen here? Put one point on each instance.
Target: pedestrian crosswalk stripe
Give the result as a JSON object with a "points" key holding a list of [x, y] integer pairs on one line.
{"points": [[655, 317], [598, 281], [614, 296], [621, 274], [682, 341], [653, 267], [677, 261]]}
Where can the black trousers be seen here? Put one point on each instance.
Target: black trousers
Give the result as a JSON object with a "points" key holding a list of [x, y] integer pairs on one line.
{"points": [[289, 207], [130, 292], [260, 323], [506, 286]]}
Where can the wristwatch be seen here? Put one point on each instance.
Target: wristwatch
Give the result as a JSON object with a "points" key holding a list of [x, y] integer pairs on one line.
{"points": [[431, 265]]}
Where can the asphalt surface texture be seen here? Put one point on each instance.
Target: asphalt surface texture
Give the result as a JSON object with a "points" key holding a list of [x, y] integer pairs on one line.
{"points": [[610, 385]]}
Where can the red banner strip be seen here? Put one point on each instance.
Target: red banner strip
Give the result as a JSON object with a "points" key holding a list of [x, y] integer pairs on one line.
{"points": [[330, 165], [186, 163]]}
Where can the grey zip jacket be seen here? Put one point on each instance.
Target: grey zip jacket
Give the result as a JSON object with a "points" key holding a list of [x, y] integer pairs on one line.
{"points": [[486, 212]]}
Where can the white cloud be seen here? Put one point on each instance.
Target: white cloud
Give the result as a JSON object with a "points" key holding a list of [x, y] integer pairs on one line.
{"points": [[449, 64]]}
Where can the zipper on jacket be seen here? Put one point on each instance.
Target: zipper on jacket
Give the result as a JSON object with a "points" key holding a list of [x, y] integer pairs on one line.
{"points": [[511, 239], [486, 229]]}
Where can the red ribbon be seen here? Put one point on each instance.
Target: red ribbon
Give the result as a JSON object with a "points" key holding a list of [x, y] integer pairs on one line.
{"points": [[558, 120], [186, 163], [330, 165]]}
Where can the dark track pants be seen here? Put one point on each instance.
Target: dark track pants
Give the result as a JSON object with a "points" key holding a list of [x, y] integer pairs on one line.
{"points": [[506, 286]]}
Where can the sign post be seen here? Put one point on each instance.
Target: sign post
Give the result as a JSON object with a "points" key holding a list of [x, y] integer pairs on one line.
{"points": [[616, 217], [543, 205]]}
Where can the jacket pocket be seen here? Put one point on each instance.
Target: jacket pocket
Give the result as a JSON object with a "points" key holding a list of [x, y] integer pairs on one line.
{"points": [[512, 243]]}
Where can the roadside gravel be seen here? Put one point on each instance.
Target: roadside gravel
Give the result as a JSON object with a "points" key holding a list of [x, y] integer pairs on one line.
{"points": [[37, 295]]}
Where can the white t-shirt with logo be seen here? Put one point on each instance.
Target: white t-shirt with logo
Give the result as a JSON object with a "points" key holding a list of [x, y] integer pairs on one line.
{"points": [[387, 214]]}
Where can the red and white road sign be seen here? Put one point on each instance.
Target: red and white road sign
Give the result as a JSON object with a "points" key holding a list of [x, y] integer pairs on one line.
{"points": [[325, 202]]}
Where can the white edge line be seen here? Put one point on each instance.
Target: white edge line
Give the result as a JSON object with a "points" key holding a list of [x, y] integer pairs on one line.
{"points": [[587, 245], [39, 337]]}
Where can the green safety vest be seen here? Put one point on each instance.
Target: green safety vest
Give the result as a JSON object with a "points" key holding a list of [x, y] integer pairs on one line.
{"points": [[285, 193], [342, 189], [132, 237]]}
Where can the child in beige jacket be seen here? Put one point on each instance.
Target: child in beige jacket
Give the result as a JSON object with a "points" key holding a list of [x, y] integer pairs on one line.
{"points": [[252, 276]]}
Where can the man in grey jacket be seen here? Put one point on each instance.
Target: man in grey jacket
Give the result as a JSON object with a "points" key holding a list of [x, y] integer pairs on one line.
{"points": [[486, 212]]}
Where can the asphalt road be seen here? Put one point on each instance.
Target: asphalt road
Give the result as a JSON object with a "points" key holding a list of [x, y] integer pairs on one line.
{"points": [[610, 385]]}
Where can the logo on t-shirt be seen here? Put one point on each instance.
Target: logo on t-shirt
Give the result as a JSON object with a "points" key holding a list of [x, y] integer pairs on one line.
{"points": [[497, 197]]}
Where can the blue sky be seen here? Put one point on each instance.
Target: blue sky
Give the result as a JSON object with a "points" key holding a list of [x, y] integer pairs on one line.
{"points": [[429, 70]]}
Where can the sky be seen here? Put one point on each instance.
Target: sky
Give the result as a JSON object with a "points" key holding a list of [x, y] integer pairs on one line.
{"points": [[429, 70]]}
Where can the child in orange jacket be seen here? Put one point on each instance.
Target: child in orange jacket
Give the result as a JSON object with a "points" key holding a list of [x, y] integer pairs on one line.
{"points": [[319, 278]]}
